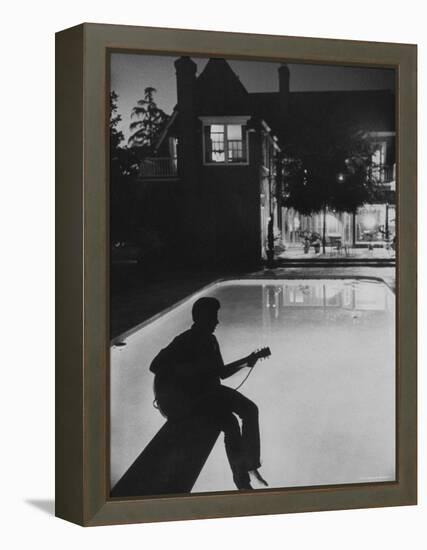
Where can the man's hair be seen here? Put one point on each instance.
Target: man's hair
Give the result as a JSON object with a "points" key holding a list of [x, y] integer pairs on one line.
{"points": [[203, 308]]}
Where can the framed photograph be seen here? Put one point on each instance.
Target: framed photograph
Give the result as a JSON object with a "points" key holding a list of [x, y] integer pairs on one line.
{"points": [[236, 274]]}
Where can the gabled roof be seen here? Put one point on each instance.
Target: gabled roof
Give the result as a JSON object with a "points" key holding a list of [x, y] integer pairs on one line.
{"points": [[219, 91], [167, 128]]}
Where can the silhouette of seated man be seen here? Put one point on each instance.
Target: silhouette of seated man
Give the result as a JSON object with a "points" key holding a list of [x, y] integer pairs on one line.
{"points": [[188, 382]]}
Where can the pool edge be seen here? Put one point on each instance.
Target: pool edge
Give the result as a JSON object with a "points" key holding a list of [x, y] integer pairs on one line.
{"points": [[117, 340]]}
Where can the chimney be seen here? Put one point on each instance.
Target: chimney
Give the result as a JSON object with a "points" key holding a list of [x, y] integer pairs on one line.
{"points": [[284, 78], [186, 93]]}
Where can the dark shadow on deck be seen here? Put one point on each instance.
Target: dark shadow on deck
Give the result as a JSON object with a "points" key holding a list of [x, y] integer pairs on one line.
{"points": [[172, 461]]}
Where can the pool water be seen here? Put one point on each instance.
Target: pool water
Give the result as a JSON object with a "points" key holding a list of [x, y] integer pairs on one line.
{"points": [[326, 395]]}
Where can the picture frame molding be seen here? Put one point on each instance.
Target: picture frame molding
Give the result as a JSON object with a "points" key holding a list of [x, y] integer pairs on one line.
{"points": [[82, 284]]}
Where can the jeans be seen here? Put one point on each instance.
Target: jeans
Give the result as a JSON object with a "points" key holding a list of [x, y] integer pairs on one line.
{"points": [[242, 446]]}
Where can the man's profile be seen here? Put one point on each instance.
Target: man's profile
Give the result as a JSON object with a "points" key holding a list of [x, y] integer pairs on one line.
{"points": [[188, 374]]}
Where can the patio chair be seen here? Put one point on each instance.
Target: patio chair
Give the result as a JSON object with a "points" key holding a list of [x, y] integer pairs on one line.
{"points": [[335, 244]]}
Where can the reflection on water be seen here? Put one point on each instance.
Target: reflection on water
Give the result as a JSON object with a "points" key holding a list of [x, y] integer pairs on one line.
{"points": [[326, 396], [352, 296]]}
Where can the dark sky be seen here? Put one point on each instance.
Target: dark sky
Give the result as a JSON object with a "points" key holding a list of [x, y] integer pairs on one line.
{"points": [[131, 73]]}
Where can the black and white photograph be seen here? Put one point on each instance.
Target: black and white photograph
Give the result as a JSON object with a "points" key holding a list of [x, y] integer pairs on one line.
{"points": [[252, 225], [213, 256]]}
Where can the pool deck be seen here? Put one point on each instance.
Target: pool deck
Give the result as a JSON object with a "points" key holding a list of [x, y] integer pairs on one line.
{"points": [[347, 254], [145, 299]]}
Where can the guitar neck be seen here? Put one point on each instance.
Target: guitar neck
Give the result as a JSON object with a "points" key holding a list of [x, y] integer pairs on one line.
{"points": [[265, 352], [239, 362], [243, 361]]}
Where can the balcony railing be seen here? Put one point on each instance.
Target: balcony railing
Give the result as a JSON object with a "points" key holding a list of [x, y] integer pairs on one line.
{"points": [[159, 167], [384, 174], [388, 173]]}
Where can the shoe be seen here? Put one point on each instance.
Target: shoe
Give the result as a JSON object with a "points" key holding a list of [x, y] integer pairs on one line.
{"points": [[242, 481], [258, 477]]}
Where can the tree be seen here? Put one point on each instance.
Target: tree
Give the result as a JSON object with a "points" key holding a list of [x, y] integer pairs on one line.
{"points": [[327, 166], [147, 128], [116, 136], [124, 167]]}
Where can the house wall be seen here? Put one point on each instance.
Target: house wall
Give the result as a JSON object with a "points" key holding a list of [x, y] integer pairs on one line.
{"points": [[156, 215], [208, 217], [225, 210]]}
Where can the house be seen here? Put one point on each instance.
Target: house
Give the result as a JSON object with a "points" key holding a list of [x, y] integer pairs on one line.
{"points": [[214, 184], [372, 111]]}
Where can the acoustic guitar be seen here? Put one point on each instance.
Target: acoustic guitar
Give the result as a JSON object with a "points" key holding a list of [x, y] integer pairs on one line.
{"points": [[171, 396]]}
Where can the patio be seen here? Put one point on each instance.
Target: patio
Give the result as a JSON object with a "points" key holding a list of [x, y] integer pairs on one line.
{"points": [[296, 252]]}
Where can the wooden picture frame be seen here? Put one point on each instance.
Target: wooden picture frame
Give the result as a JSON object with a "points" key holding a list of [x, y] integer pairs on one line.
{"points": [[82, 291]]}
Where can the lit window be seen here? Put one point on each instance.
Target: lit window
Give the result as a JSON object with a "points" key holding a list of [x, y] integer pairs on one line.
{"points": [[225, 143], [378, 161]]}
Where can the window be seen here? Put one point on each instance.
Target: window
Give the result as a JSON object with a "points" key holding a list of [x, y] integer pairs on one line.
{"points": [[225, 143], [378, 161], [375, 223]]}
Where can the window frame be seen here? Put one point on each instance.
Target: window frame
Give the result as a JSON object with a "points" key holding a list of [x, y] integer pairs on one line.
{"points": [[226, 121]]}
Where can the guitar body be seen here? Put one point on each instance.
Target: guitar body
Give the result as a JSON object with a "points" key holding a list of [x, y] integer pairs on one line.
{"points": [[171, 397]]}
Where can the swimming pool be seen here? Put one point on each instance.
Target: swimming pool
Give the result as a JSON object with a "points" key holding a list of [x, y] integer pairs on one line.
{"points": [[326, 395]]}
